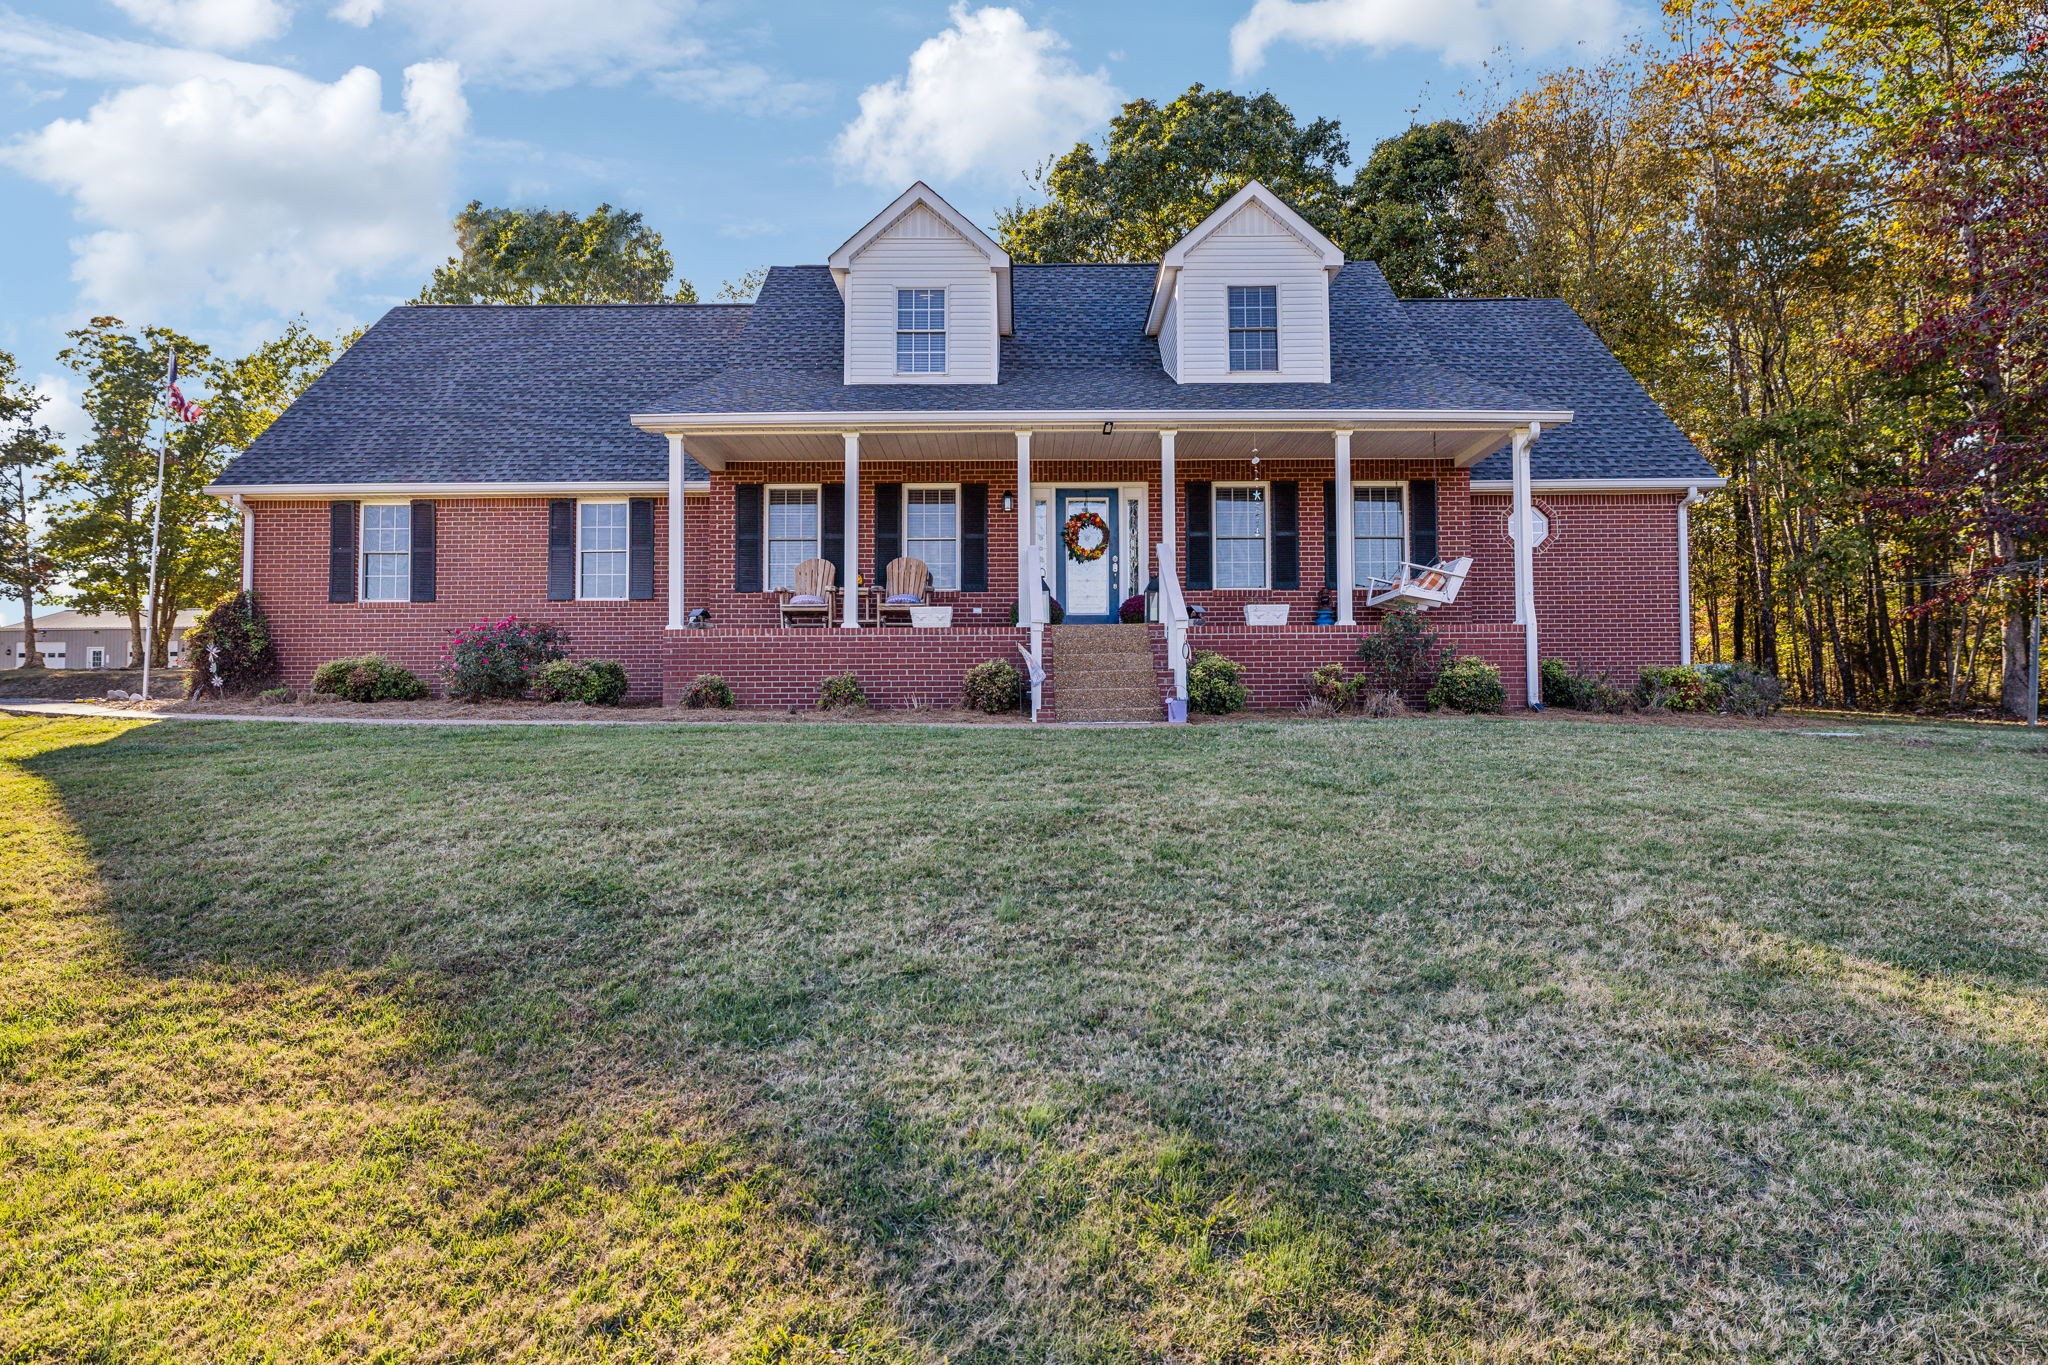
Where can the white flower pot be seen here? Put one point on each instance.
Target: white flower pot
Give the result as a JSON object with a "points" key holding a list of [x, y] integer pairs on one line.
{"points": [[931, 617], [1266, 613]]}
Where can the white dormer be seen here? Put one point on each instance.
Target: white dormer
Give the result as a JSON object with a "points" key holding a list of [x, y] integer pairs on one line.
{"points": [[926, 295], [1245, 297]]}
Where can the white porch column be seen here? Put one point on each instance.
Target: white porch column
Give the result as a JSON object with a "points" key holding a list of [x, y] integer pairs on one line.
{"points": [[1027, 531], [248, 541], [1340, 517], [849, 590], [1692, 495], [1168, 523], [675, 531], [1525, 562]]}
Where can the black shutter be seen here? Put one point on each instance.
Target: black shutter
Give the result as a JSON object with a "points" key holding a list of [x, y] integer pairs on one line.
{"points": [[832, 532], [748, 500], [561, 549], [1330, 533], [1422, 546], [423, 553], [341, 551], [1284, 502], [1199, 569], [888, 526], [974, 537], [640, 549]]}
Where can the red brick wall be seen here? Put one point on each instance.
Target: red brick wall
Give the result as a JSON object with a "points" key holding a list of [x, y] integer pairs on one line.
{"points": [[897, 667], [1606, 578], [492, 560], [1277, 659]]}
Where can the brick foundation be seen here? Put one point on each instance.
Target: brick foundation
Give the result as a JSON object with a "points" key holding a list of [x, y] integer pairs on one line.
{"points": [[776, 668], [1277, 659]]}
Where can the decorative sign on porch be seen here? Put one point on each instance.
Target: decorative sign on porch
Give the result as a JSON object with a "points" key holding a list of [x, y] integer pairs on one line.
{"points": [[1087, 536]]}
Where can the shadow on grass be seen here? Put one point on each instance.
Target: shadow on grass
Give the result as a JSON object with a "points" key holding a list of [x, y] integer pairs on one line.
{"points": [[612, 1044]]}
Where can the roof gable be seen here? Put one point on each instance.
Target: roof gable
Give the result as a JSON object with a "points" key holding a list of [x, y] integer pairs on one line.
{"points": [[920, 211], [1250, 210]]}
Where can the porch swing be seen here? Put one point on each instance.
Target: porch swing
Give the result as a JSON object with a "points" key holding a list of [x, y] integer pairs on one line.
{"points": [[1420, 586]]}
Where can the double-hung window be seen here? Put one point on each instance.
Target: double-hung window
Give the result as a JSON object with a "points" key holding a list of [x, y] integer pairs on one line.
{"points": [[931, 532], [1254, 327], [1379, 534], [920, 331], [792, 533], [1241, 535], [601, 541], [387, 552]]}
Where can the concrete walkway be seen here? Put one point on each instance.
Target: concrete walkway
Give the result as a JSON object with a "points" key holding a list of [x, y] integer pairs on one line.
{"points": [[282, 716]]}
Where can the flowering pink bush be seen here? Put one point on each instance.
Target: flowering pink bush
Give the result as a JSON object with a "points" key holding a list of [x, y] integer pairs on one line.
{"points": [[498, 658]]}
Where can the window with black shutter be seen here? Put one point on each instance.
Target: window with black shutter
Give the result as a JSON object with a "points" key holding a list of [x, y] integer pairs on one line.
{"points": [[341, 551], [1200, 566], [424, 551]]}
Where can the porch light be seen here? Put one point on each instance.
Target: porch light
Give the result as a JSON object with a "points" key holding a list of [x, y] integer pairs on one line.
{"points": [[1152, 598], [1109, 428], [1009, 501]]}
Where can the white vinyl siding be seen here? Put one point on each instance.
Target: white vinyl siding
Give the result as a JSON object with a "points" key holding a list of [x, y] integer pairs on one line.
{"points": [[387, 552], [920, 331], [601, 545], [792, 532], [1240, 538], [920, 251], [1169, 339], [1252, 248], [1379, 532], [931, 532]]}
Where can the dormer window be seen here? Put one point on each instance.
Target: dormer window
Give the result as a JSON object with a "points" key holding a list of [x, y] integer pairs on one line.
{"points": [[920, 331], [1254, 327]]}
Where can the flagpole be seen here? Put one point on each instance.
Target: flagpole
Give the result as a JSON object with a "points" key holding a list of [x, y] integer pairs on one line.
{"points": [[156, 533]]}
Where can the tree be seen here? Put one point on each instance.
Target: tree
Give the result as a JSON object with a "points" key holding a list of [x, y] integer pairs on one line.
{"points": [[24, 447], [746, 288], [508, 255], [1166, 167], [1420, 207]]}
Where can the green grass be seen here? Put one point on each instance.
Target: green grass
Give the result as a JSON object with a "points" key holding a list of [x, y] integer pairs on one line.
{"points": [[1456, 1040]]}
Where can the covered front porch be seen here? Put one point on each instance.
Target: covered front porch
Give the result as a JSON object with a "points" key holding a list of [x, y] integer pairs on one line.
{"points": [[1204, 531]]}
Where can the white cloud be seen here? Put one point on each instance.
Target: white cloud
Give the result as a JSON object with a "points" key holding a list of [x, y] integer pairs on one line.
{"points": [[226, 24], [986, 98], [241, 185], [61, 412], [1462, 31], [744, 86], [542, 44]]}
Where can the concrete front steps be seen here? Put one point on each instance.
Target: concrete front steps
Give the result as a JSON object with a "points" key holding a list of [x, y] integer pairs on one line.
{"points": [[1104, 673]]}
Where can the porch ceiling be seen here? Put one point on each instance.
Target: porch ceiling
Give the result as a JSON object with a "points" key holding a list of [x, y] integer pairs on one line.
{"points": [[1465, 444]]}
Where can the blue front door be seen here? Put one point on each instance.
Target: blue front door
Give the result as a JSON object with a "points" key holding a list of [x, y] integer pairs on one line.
{"points": [[1087, 588]]}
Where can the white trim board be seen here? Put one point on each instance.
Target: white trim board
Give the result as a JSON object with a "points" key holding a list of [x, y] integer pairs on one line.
{"points": [[1600, 485], [445, 490], [1142, 419]]}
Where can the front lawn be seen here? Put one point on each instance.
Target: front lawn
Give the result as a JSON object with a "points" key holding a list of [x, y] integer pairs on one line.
{"points": [[1443, 1040]]}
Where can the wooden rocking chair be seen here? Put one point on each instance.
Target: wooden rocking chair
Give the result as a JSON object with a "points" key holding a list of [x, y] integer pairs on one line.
{"points": [[808, 599], [1420, 586], [906, 583]]}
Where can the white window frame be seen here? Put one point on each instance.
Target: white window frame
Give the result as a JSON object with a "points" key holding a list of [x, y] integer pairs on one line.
{"points": [[954, 489], [582, 503], [1265, 534], [363, 548], [768, 492], [942, 331], [1351, 522], [1229, 330]]}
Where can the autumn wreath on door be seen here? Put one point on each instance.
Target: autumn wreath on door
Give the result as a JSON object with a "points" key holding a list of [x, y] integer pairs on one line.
{"points": [[1087, 536]]}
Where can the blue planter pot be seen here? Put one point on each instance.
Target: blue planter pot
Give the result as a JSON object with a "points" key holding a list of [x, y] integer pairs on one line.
{"points": [[1327, 616]]}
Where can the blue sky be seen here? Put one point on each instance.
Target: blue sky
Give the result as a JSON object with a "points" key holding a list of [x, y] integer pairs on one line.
{"points": [[222, 165]]}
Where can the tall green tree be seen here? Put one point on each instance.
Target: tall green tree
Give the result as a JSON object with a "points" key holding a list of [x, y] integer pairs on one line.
{"points": [[1422, 206], [1166, 167], [511, 255], [25, 447]]}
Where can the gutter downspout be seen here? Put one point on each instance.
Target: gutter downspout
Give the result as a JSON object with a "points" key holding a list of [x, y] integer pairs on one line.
{"points": [[1692, 495], [234, 500]]}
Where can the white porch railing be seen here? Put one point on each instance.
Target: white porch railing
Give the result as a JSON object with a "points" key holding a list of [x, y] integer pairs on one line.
{"points": [[1173, 611], [1034, 656]]}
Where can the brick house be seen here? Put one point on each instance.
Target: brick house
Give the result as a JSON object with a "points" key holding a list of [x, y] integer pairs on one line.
{"points": [[1251, 423]]}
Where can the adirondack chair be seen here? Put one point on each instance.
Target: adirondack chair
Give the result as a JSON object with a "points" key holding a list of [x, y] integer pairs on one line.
{"points": [[808, 599], [1421, 586], [907, 583]]}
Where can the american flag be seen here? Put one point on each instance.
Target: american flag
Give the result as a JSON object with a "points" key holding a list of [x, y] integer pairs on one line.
{"points": [[186, 410]]}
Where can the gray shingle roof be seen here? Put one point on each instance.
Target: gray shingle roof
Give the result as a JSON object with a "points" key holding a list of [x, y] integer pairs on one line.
{"points": [[1542, 347], [544, 395]]}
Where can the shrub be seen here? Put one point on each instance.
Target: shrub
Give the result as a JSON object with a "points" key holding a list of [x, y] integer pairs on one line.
{"points": [[230, 650], [1746, 690], [498, 658], [369, 678], [1678, 688], [607, 682], [842, 690], [1376, 702], [1470, 684], [276, 696], [994, 687], [1326, 684], [1132, 612], [1576, 691], [1216, 684], [1405, 655], [599, 682], [709, 690]]}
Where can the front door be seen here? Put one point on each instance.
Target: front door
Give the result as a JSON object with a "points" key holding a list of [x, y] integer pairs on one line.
{"points": [[1087, 585]]}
